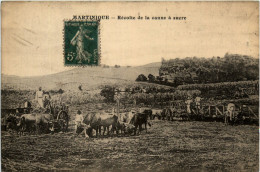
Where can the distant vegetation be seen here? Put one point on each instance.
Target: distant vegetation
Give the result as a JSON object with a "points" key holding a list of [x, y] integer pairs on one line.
{"points": [[60, 91], [105, 66], [191, 70]]}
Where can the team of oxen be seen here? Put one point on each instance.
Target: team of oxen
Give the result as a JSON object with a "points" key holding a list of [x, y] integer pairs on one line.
{"points": [[121, 123], [127, 123]]}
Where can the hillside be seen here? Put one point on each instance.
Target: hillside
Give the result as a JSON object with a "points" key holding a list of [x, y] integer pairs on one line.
{"points": [[88, 77], [152, 65]]}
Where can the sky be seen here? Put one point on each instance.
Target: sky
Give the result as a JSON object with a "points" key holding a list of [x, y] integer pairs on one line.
{"points": [[32, 32]]}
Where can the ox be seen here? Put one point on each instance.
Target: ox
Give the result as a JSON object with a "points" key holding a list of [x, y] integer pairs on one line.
{"points": [[126, 117], [96, 121], [30, 122], [91, 121], [11, 122], [147, 111], [108, 120], [138, 120], [125, 128], [124, 122]]}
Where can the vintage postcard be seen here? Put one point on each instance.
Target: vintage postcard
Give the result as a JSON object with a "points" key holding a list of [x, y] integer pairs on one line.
{"points": [[130, 86]]}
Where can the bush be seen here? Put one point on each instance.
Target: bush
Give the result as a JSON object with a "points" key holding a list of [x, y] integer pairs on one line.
{"points": [[60, 91], [108, 93], [80, 88], [141, 77]]}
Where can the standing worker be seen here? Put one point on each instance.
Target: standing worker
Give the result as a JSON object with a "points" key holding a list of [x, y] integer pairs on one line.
{"points": [[39, 97], [27, 106], [188, 103], [197, 102], [231, 112], [46, 99]]}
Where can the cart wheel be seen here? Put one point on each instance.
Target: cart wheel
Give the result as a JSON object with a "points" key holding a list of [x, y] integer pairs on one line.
{"points": [[63, 120]]}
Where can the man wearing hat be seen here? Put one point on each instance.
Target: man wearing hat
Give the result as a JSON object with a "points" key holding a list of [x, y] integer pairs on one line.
{"points": [[78, 119]]}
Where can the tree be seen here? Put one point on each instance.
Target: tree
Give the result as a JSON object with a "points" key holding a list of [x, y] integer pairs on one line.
{"points": [[141, 77], [163, 60], [108, 92], [151, 78]]}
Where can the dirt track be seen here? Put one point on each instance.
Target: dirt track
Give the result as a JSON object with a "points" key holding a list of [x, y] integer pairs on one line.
{"points": [[168, 146]]}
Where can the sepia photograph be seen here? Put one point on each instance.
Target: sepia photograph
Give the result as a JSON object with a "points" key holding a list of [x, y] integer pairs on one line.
{"points": [[130, 86]]}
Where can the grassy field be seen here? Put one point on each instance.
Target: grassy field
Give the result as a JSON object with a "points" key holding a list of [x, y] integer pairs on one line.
{"points": [[168, 146]]}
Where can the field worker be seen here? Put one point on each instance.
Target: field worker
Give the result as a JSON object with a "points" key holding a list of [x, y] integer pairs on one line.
{"points": [[39, 97], [188, 103], [27, 105], [78, 119], [46, 99], [231, 111], [197, 102]]}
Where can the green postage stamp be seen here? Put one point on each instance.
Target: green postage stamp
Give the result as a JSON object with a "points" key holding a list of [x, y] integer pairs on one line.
{"points": [[81, 43]]}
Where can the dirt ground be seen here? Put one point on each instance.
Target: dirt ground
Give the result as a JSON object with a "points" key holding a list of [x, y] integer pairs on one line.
{"points": [[168, 146]]}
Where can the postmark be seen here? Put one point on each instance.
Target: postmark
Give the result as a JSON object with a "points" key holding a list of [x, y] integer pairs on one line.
{"points": [[81, 43]]}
